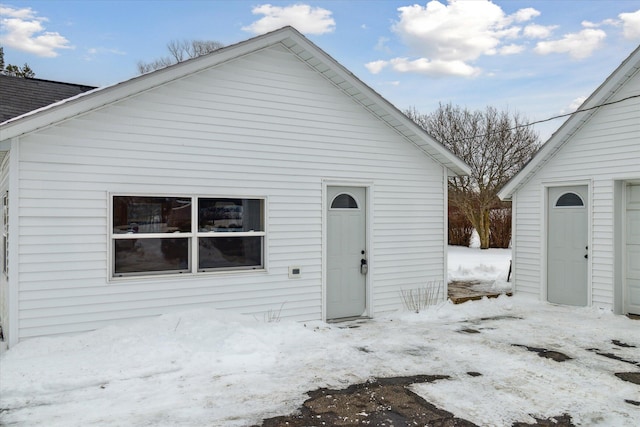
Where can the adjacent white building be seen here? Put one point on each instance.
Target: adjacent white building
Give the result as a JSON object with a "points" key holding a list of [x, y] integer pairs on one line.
{"points": [[576, 205], [259, 178]]}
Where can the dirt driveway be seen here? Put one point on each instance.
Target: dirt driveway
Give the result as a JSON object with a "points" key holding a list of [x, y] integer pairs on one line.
{"points": [[384, 402]]}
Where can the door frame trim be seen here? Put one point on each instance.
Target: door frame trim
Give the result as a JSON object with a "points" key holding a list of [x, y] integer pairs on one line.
{"points": [[544, 233], [621, 284], [368, 189]]}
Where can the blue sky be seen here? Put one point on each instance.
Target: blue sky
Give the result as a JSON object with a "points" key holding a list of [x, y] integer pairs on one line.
{"points": [[539, 58]]}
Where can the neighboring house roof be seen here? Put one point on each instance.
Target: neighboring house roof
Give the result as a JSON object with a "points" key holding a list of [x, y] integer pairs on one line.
{"points": [[21, 95], [602, 95], [299, 45]]}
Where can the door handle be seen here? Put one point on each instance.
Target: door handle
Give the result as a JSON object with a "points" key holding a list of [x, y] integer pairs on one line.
{"points": [[364, 267]]}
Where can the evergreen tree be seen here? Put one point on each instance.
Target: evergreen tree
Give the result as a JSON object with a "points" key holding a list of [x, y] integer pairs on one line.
{"points": [[13, 70]]}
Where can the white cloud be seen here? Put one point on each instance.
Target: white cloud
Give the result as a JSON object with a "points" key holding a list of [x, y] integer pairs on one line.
{"points": [[22, 29], [631, 25], [93, 52], [575, 104], [535, 31], [436, 67], [457, 31], [589, 24], [524, 15], [25, 13], [375, 67], [304, 18], [578, 45], [511, 49], [447, 38]]}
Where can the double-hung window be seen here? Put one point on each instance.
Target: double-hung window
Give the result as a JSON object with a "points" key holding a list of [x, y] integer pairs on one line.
{"points": [[165, 235]]}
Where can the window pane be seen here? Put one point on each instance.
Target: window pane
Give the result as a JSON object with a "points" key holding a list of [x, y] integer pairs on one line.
{"points": [[133, 214], [151, 255], [230, 215], [226, 252], [569, 199], [344, 201]]}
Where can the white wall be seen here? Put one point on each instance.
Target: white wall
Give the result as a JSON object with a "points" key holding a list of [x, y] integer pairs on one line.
{"points": [[264, 125], [603, 151]]}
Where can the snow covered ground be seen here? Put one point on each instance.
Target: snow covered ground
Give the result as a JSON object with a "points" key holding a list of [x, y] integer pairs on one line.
{"points": [[490, 266], [204, 367]]}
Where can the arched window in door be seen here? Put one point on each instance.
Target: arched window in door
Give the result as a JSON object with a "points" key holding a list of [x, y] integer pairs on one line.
{"points": [[569, 200], [344, 201]]}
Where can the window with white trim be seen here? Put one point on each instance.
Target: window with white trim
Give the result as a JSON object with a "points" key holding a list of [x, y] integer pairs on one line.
{"points": [[169, 235]]}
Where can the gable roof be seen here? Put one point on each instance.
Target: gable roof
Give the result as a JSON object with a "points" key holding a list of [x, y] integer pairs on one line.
{"points": [[603, 94], [295, 42], [21, 95]]}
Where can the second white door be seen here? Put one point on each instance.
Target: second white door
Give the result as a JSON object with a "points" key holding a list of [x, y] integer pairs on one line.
{"points": [[567, 246]]}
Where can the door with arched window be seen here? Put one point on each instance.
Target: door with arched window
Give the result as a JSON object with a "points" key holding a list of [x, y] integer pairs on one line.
{"points": [[346, 252], [567, 245]]}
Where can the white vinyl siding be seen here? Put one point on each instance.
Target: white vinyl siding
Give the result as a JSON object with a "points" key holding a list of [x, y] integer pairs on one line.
{"points": [[605, 150], [263, 125]]}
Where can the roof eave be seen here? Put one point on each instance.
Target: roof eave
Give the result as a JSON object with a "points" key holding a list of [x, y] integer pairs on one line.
{"points": [[605, 91], [299, 45]]}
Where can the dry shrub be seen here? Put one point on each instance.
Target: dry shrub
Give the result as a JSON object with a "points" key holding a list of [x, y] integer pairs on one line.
{"points": [[500, 226], [460, 228], [419, 299]]}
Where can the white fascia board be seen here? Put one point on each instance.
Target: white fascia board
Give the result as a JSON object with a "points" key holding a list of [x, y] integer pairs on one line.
{"points": [[544, 154], [602, 94]]}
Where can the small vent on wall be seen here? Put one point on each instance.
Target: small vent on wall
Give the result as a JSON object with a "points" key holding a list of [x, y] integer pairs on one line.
{"points": [[295, 272]]}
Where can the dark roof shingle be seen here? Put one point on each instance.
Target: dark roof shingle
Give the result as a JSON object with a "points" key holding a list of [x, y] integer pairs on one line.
{"points": [[20, 95]]}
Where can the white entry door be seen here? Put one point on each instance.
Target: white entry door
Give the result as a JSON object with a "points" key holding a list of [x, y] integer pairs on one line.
{"points": [[632, 250], [346, 252], [567, 251]]}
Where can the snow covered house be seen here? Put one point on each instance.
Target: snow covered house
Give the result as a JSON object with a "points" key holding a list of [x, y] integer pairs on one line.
{"points": [[576, 204], [261, 177]]}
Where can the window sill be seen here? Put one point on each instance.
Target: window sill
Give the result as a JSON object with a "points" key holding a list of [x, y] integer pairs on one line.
{"points": [[185, 275]]}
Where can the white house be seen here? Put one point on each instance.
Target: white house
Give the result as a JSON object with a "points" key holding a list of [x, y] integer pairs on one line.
{"points": [[576, 204], [264, 176]]}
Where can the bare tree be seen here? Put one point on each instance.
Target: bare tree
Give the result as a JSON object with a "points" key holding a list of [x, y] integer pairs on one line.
{"points": [[495, 144], [180, 51]]}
